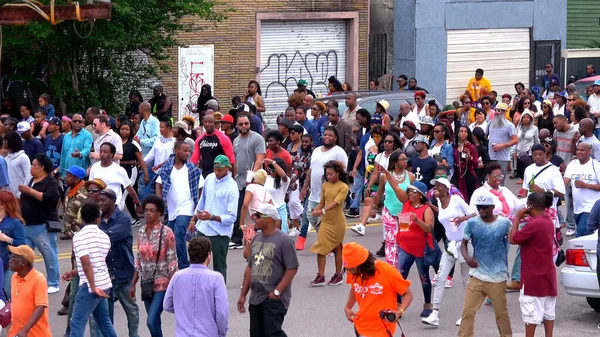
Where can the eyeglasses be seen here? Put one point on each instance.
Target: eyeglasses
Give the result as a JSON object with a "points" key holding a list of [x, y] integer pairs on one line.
{"points": [[93, 190], [76, 121], [482, 207], [437, 131], [486, 103], [388, 141], [500, 110], [242, 124], [500, 177], [402, 159]]}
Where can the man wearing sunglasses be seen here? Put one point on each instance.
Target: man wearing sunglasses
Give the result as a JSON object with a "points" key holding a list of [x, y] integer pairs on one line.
{"points": [[549, 79], [272, 265], [489, 265], [76, 146]]}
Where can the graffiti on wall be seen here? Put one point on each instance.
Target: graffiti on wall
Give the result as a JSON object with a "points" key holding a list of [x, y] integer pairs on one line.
{"points": [[196, 67], [284, 70]]}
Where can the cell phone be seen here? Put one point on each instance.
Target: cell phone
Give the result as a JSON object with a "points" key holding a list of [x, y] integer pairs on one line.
{"points": [[529, 208]]}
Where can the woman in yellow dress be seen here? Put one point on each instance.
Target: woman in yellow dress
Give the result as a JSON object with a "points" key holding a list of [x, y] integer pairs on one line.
{"points": [[332, 228]]}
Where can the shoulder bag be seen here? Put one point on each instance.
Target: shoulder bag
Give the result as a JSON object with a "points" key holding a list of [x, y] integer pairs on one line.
{"points": [[5, 313], [148, 285]]}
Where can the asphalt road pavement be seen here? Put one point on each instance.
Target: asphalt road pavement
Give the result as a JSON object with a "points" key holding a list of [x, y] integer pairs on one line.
{"points": [[319, 311]]}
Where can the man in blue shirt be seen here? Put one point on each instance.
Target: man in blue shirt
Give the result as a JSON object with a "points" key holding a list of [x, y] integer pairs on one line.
{"points": [[76, 146], [53, 142], [146, 135], [310, 128], [217, 211], [550, 77], [4, 180], [31, 145], [120, 262]]}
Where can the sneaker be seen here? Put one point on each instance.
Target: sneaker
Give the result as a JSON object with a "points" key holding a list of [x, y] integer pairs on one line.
{"points": [[376, 218], [449, 283], [53, 290], [459, 321], [513, 286], [488, 301], [235, 245], [63, 311], [433, 319], [353, 213], [381, 251], [570, 232], [294, 232], [319, 281], [359, 229], [426, 313], [300, 243], [329, 254], [336, 280]]}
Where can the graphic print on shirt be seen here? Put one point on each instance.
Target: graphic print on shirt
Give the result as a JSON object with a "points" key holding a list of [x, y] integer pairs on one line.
{"points": [[262, 255], [418, 175], [204, 144], [373, 289]]}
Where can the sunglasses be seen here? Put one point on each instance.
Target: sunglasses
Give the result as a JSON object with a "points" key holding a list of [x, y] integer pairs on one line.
{"points": [[500, 110], [500, 177], [257, 216], [467, 102], [388, 141], [93, 190], [438, 176], [486, 103], [482, 207], [76, 121], [437, 131]]}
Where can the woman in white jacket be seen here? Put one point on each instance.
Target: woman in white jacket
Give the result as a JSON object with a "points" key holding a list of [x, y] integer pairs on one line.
{"points": [[17, 162]]}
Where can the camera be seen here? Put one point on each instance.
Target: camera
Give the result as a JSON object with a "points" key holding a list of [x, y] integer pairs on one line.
{"points": [[388, 315]]}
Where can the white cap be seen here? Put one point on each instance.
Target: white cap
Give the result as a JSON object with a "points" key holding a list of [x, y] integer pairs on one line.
{"points": [[484, 200], [268, 210], [442, 181], [23, 127]]}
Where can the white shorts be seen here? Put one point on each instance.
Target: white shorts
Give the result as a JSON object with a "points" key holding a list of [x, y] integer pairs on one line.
{"points": [[535, 310], [295, 205]]}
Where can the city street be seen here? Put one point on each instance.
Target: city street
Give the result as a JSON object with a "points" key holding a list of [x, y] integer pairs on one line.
{"points": [[319, 311]]}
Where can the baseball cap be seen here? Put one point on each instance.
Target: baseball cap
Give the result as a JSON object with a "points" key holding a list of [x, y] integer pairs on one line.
{"points": [[427, 120], [484, 200], [109, 194], [286, 122], [442, 181], [553, 82], [268, 210], [218, 116], [297, 127], [23, 127], [24, 251], [227, 119], [184, 126], [55, 121], [243, 107], [77, 171], [596, 82], [221, 161], [302, 83], [501, 106], [376, 119]]}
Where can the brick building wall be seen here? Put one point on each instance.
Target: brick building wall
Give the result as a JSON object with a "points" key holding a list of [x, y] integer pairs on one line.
{"points": [[235, 43]]}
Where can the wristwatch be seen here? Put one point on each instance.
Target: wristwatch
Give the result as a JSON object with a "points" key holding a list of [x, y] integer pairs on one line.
{"points": [[276, 292]]}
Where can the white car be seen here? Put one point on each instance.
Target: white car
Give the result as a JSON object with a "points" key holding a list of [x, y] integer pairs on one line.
{"points": [[578, 276]]}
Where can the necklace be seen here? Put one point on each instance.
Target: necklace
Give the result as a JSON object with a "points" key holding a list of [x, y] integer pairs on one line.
{"points": [[399, 177]]}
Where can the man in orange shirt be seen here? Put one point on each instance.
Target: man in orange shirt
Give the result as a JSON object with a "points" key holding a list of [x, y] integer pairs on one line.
{"points": [[376, 286], [29, 294]]}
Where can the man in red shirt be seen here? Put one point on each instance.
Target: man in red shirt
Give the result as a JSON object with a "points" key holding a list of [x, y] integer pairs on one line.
{"points": [[275, 150], [538, 273], [211, 144]]}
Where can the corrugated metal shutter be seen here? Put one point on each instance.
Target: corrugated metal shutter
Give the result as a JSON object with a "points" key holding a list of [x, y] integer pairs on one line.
{"points": [[503, 54], [294, 50], [583, 23]]}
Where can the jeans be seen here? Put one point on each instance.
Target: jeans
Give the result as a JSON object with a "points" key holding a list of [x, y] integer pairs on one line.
{"points": [[310, 206], [38, 236], [283, 214], [515, 274], [570, 221], [120, 292], [237, 235], [7, 277], [357, 189], [154, 308], [405, 261], [581, 220], [179, 227], [597, 133], [475, 294], [503, 167], [74, 285], [267, 318], [85, 305], [304, 219], [146, 189], [446, 264]]}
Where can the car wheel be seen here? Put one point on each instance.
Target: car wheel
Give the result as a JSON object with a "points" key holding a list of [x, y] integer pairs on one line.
{"points": [[594, 303]]}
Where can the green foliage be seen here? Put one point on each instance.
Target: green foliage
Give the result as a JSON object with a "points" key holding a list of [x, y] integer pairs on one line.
{"points": [[593, 44], [94, 63]]}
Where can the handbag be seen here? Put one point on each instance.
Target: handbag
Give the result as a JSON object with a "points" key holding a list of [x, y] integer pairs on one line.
{"points": [[433, 255], [148, 285], [5, 312], [54, 226], [560, 256]]}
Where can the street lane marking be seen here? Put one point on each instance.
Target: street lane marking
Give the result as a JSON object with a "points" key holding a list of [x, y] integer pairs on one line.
{"points": [[67, 256]]}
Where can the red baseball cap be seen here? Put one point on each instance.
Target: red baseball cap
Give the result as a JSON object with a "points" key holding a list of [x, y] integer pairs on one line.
{"points": [[227, 119]]}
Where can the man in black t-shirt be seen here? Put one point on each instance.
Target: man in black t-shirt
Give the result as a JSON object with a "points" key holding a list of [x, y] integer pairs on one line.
{"points": [[423, 165]]}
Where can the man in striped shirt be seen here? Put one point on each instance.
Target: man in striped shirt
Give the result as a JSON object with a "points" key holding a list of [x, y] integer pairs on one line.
{"points": [[90, 246]]}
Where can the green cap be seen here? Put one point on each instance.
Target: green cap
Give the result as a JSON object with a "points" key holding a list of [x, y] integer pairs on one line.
{"points": [[302, 82], [221, 162], [448, 109]]}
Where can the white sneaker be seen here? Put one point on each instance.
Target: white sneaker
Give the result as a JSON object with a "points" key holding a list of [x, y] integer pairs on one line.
{"points": [[433, 319], [570, 232], [459, 321], [359, 229], [294, 232], [374, 219], [449, 283], [53, 290]]}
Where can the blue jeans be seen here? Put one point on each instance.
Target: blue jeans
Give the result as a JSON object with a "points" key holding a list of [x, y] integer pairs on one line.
{"points": [[304, 219], [74, 286], [86, 304], [121, 292], [569, 220], [7, 277], [581, 219], [357, 189], [38, 236], [154, 308], [405, 262], [143, 188], [515, 274], [179, 227], [597, 133], [283, 214]]}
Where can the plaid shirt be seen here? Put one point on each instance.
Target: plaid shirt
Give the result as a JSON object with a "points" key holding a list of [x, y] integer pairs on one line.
{"points": [[194, 174]]}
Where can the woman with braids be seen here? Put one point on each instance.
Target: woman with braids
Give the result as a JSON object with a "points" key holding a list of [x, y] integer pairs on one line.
{"points": [[276, 185], [332, 224], [375, 286]]}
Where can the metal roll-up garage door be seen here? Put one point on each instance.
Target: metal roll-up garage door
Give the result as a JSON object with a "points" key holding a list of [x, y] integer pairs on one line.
{"points": [[294, 50], [503, 54]]}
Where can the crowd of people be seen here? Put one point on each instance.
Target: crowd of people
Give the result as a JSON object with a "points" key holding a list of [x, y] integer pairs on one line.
{"points": [[222, 180]]}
